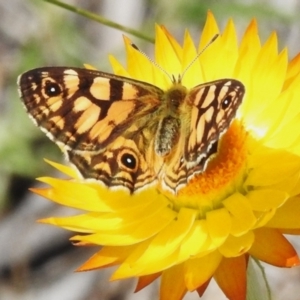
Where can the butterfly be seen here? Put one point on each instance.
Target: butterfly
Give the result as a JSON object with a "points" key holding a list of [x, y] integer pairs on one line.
{"points": [[127, 133]]}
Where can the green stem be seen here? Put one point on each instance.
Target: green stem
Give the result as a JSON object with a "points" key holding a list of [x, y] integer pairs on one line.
{"points": [[257, 284], [101, 20], [264, 276]]}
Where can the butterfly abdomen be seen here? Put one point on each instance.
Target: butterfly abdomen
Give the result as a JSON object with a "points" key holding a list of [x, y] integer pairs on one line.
{"points": [[167, 135], [169, 127]]}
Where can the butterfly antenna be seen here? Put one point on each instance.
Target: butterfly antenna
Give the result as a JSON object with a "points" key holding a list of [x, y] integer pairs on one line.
{"points": [[154, 63], [197, 56]]}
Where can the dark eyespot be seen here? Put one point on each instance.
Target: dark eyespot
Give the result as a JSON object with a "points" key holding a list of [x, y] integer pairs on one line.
{"points": [[52, 89], [129, 161], [226, 102]]}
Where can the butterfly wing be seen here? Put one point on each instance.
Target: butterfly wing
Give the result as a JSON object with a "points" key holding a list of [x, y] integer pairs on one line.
{"points": [[214, 106], [122, 164], [82, 109], [211, 108], [104, 123]]}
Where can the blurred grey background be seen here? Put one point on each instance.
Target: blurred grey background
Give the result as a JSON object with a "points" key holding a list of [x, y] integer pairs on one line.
{"points": [[37, 261]]}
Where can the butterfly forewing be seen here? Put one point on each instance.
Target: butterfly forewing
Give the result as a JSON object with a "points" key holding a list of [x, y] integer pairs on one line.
{"points": [[214, 106], [84, 109]]}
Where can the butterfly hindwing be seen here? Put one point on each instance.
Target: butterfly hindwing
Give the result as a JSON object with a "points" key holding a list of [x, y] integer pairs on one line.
{"points": [[122, 163]]}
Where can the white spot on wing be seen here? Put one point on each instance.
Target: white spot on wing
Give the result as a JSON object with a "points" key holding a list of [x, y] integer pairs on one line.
{"points": [[70, 72]]}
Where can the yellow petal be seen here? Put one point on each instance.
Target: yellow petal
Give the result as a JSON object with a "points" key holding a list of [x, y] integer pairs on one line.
{"points": [[236, 246], [172, 284], [197, 271], [287, 216], [242, 216], [219, 225], [212, 53], [64, 169], [265, 172], [138, 64], [73, 194], [144, 281], [272, 247], [193, 75], [177, 48], [210, 29], [196, 241], [248, 51], [117, 67], [266, 199], [293, 70], [166, 56], [229, 50]]}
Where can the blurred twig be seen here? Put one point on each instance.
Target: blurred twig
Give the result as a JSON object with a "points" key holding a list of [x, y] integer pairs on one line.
{"points": [[102, 20]]}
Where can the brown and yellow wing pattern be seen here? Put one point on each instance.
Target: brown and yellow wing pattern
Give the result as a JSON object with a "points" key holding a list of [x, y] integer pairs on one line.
{"points": [[127, 133], [97, 119], [85, 109], [211, 108]]}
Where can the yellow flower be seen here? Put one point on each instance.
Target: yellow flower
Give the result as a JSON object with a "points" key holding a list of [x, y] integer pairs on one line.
{"points": [[243, 203]]}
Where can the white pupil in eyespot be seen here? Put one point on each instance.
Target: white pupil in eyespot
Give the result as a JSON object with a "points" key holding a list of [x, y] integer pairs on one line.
{"points": [[128, 160]]}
